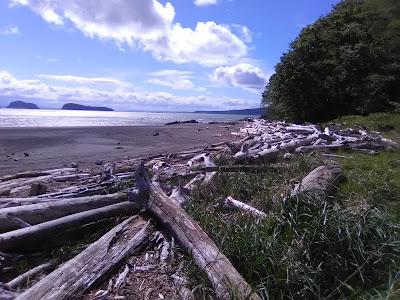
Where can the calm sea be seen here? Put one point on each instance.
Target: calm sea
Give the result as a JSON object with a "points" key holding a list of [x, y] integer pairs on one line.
{"points": [[69, 118]]}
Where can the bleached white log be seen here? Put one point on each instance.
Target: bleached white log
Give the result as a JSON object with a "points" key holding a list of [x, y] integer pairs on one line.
{"points": [[232, 203], [195, 182], [42, 212], [28, 236]]}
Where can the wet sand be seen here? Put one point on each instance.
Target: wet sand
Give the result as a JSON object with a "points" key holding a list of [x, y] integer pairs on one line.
{"points": [[25, 149]]}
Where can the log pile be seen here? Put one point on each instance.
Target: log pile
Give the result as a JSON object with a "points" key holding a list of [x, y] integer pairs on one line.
{"points": [[263, 139], [37, 206]]}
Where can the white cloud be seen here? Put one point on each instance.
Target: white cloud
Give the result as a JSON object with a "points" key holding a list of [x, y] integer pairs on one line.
{"points": [[174, 79], [85, 80], [144, 24], [244, 32], [179, 84], [10, 30], [205, 2], [36, 89], [242, 75]]}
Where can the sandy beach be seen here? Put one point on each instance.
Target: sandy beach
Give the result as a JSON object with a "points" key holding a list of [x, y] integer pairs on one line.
{"points": [[23, 149]]}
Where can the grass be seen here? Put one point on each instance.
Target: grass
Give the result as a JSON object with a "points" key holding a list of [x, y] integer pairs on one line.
{"points": [[316, 246]]}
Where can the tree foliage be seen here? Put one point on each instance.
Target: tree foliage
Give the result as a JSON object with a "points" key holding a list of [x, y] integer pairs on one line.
{"points": [[347, 62]]}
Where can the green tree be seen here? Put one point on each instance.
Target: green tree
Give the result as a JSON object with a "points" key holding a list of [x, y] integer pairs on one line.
{"points": [[347, 62]]}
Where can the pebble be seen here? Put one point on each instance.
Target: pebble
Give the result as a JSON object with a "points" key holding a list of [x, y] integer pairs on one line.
{"points": [[74, 165], [156, 134], [26, 154], [99, 162]]}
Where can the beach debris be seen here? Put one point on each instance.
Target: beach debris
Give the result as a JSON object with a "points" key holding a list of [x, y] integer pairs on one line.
{"points": [[23, 278], [76, 198], [77, 275], [266, 140], [231, 203], [192, 237], [24, 237], [322, 179]]}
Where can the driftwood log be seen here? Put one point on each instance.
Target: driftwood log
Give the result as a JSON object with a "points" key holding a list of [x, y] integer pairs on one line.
{"points": [[231, 203], [227, 282], [72, 279], [322, 180], [28, 237], [42, 212], [21, 279]]}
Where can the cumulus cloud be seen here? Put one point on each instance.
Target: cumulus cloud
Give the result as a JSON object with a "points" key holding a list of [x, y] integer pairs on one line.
{"points": [[10, 30], [144, 24], [205, 2], [242, 75], [36, 89]]}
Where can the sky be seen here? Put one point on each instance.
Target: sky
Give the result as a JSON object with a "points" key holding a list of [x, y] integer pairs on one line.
{"points": [[146, 55]]}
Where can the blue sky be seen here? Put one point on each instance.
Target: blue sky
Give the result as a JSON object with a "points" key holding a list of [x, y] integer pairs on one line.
{"points": [[148, 55]]}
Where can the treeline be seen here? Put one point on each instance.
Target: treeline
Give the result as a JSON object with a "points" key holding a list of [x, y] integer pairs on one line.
{"points": [[347, 62]]}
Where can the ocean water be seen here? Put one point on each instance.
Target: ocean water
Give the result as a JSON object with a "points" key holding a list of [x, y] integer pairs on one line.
{"points": [[72, 118]]}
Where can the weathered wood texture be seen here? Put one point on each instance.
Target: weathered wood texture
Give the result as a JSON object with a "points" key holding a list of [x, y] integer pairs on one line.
{"points": [[72, 279], [322, 179], [226, 280], [42, 212], [28, 237], [232, 203], [23, 278]]}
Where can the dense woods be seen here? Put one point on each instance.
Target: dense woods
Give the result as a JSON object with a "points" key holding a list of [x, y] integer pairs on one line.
{"points": [[347, 62]]}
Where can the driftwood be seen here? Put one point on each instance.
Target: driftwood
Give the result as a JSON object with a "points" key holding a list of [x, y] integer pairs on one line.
{"points": [[243, 168], [29, 236], [72, 279], [191, 185], [12, 202], [6, 293], [232, 203], [263, 139], [227, 282], [23, 278], [42, 212], [36, 174], [322, 179]]}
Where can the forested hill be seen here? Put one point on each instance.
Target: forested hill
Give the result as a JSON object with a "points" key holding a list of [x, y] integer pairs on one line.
{"points": [[347, 62]]}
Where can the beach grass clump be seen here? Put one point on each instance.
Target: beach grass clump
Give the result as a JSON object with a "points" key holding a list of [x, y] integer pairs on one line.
{"points": [[309, 247]]}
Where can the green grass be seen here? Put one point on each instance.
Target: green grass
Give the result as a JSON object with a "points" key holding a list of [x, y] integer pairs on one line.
{"points": [[316, 246]]}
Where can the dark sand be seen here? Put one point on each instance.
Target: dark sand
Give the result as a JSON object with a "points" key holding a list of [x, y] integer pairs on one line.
{"points": [[49, 148]]}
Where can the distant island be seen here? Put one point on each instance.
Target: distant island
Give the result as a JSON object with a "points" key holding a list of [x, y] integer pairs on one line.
{"points": [[22, 105], [74, 106], [250, 111]]}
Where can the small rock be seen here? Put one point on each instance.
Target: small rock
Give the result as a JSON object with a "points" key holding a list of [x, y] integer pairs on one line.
{"points": [[99, 162], [26, 154], [74, 165], [37, 189], [15, 159], [156, 134], [119, 147]]}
